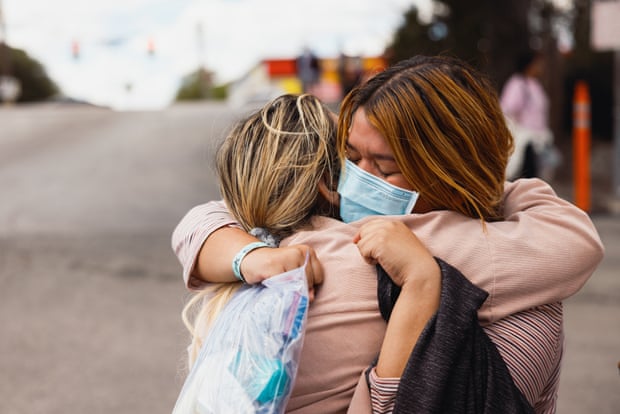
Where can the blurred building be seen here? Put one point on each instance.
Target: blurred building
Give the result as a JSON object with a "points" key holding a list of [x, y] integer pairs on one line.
{"points": [[273, 77]]}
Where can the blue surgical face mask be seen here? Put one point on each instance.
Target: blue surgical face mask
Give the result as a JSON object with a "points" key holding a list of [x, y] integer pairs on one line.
{"points": [[362, 194]]}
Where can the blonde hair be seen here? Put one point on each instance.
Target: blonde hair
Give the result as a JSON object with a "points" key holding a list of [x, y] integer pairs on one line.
{"points": [[269, 167], [443, 122]]}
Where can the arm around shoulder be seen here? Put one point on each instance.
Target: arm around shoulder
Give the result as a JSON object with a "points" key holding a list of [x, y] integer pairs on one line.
{"points": [[558, 222], [190, 235], [544, 251], [207, 240]]}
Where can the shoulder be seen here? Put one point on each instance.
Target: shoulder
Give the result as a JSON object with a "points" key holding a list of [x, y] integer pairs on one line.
{"points": [[322, 229]]}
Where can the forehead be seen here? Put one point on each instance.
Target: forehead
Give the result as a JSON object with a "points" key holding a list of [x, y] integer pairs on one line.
{"points": [[363, 136]]}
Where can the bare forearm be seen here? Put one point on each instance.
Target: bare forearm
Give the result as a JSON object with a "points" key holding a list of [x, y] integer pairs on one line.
{"points": [[416, 304], [216, 255], [207, 239]]}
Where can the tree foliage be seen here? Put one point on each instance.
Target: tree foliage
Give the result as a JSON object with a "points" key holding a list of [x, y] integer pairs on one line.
{"points": [[198, 85], [486, 33], [34, 81], [490, 34]]}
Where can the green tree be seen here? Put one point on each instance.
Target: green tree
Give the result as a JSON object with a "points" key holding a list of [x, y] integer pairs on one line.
{"points": [[486, 33], [35, 83], [490, 34], [198, 85]]}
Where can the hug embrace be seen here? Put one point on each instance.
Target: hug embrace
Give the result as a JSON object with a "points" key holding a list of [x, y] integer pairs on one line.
{"points": [[435, 284]]}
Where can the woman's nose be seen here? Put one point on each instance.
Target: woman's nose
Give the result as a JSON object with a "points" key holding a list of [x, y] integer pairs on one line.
{"points": [[368, 166]]}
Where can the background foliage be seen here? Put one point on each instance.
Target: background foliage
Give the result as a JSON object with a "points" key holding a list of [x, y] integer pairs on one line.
{"points": [[35, 83], [490, 34]]}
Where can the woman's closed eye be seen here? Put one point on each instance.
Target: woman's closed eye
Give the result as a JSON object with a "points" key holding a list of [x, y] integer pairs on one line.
{"points": [[387, 170], [352, 155], [384, 171]]}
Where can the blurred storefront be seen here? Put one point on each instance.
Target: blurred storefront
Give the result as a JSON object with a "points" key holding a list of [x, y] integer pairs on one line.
{"points": [[274, 77]]}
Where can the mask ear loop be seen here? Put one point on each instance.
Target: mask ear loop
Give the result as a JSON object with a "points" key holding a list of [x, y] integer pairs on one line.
{"points": [[413, 201]]}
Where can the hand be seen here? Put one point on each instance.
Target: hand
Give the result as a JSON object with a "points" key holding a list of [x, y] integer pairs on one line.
{"points": [[263, 263], [410, 265], [398, 250]]}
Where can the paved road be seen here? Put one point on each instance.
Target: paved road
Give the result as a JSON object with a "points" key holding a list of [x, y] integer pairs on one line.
{"points": [[90, 295], [90, 291], [590, 379]]}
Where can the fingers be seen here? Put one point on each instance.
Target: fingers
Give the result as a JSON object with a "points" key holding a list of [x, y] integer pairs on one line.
{"points": [[393, 245], [314, 273], [264, 263], [311, 294], [315, 268], [372, 238]]}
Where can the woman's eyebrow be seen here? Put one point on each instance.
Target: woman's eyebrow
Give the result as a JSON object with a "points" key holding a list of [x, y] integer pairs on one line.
{"points": [[350, 147], [383, 157]]}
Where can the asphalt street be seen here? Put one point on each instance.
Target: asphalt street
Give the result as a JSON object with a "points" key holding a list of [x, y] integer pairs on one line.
{"points": [[91, 293]]}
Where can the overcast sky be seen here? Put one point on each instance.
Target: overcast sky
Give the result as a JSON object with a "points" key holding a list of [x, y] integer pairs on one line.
{"points": [[228, 36]]}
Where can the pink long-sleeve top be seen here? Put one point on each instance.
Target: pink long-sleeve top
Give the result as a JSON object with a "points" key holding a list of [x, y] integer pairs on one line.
{"points": [[524, 99], [542, 253]]}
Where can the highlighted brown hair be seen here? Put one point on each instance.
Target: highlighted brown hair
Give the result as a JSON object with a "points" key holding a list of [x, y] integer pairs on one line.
{"points": [[443, 122]]}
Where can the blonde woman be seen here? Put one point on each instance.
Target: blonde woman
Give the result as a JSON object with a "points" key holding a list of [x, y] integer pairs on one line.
{"points": [[432, 129], [277, 169]]}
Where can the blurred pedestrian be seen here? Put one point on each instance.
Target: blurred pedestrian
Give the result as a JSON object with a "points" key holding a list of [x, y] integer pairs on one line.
{"points": [[526, 106], [308, 70], [349, 72]]}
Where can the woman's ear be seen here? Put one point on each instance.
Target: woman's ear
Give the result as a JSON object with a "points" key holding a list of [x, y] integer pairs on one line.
{"points": [[331, 196]]}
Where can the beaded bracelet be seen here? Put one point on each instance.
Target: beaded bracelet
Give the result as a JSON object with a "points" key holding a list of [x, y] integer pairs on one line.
{"points": [[236, 263]]}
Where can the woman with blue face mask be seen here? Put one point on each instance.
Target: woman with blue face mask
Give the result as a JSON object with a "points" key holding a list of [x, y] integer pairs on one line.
{"points": [[425, 145], [362, 194]]}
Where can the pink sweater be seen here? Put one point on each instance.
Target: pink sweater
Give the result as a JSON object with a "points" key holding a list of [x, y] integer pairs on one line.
{"points": [[543, 252], [524, 100]]}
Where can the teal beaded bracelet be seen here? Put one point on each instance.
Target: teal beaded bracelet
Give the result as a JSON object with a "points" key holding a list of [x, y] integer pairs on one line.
{"points": [[236, 263]]}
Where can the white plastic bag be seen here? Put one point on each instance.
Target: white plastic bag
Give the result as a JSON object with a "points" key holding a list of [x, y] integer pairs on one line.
{"points": [[249, 359], [547, 155]]}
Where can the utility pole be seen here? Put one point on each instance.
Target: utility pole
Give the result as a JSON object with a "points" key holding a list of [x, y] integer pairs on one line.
{"points": [[203, 75], [9, 86], [2, 27], [4, 52], [200, 45]]}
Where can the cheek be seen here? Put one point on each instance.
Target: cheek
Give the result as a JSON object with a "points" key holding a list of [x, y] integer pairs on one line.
{"points": [[399, 181]]}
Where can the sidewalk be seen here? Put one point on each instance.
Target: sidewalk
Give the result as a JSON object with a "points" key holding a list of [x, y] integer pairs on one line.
{"points": [[589, 380]]}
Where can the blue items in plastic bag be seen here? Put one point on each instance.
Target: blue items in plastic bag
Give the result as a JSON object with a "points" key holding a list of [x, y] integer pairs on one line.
{"points": [[249, 359]]}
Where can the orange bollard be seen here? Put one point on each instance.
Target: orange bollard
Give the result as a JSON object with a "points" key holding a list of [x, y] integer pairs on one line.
{"points": [[581, 145]]}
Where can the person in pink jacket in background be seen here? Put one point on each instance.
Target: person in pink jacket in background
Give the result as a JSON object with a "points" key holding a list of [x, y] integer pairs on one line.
{"points": [[526, 106], [522, 244]]}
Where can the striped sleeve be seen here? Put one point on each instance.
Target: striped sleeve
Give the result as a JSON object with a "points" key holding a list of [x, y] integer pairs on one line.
{"points": [[382, 392], [531, 344], [191, 233]]}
